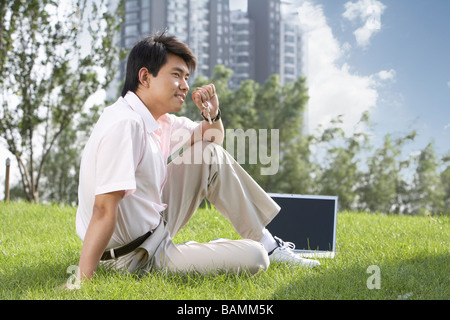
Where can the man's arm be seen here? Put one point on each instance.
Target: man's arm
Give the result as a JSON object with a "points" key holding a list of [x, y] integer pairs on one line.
{"points": [[99, 232], [206, 96]]}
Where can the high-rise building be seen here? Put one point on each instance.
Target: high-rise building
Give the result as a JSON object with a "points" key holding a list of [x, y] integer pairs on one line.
{"points": [[203, 24], [291, 45], [242, 48], [277, 39], [266, 17], [256, 43]]}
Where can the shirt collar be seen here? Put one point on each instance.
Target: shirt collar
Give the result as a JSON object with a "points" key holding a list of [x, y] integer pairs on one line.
{"points": [[136, 105]]}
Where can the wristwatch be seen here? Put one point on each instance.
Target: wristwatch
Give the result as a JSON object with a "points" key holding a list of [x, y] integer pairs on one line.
{"points": [[215, 119]]}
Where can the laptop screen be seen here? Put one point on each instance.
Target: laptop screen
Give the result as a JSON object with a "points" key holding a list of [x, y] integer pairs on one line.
{"points": [[307, 221]]}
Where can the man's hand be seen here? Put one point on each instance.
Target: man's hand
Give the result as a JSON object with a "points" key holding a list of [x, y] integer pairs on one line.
{"points": [[205, 98]]}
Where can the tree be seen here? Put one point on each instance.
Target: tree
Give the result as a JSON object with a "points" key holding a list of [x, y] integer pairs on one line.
{"points": [[270, 118], [295, 173], [445, 181], [266, 109], [8, 20], [383, 188], [427, 188], [53, 55], [340, 175], [61, 170]]}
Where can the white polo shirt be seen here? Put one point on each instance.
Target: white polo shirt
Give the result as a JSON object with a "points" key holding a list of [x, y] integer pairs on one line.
{"points": [[128, 150]]}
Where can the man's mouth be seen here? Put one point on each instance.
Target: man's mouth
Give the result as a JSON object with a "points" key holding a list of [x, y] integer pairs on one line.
{"points": [[181, 96]]}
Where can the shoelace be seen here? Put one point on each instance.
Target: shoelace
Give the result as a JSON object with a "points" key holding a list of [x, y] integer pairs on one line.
{"points": [[284, 245]]}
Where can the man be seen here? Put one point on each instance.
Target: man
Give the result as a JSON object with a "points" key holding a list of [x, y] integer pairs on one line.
{"points": [[131, 203]]}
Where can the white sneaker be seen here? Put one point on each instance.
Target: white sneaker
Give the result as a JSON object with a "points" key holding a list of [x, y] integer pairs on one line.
{"points": [[285, 253]]}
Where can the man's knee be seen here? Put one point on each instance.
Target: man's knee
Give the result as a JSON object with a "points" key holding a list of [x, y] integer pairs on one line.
{"points": [[257, 258], [219, 154], [206, 152]]}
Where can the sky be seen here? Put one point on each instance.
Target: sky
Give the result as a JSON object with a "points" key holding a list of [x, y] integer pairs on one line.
{"points": [[390, 57]]}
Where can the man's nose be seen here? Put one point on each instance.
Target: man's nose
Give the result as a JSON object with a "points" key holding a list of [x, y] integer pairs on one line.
{"points": [[184, 85]]}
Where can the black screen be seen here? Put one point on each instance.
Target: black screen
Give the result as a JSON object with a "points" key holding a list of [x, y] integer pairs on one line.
{"points": [[307, 222]]}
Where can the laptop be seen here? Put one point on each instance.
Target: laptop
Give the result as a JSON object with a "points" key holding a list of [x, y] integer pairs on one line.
{"points": [[309, 221]]}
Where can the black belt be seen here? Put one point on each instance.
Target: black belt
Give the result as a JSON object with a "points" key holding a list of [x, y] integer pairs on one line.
{"points": [[130, 247]]}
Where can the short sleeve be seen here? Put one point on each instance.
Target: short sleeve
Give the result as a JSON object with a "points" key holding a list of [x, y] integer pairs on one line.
{"points": [[182, 130], [119, 152]]}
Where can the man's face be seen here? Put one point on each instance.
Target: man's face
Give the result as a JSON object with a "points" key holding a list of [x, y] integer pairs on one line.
{"points": [[168, 90]]}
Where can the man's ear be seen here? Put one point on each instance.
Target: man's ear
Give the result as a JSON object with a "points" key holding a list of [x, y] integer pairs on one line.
{"points": [[144, 77]]}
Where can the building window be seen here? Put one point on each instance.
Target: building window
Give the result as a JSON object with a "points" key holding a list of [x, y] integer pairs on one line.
{"points": [[131, 16], [145, 27], [145, 14], [131, 29], [289, 71], [130, 5], [129, 42]]}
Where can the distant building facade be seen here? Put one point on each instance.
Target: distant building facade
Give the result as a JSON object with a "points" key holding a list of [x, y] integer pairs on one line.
{"points": [[255, 44]]}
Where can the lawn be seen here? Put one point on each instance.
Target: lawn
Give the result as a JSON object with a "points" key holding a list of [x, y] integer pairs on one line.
{"points": [[378, 257]]}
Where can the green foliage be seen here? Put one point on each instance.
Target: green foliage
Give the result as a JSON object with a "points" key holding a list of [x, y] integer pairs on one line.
{"points": [[428, 189], [340, 172], [47, 75], [445, 181], [383, 180]]}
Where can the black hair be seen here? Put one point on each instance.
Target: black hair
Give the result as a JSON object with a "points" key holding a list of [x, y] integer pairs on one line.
{"points": [[151, 53]]}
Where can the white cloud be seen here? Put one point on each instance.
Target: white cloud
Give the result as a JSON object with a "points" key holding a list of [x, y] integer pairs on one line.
{"points": [[367, 12], [448, 84], [386, 74], [334, 88]]}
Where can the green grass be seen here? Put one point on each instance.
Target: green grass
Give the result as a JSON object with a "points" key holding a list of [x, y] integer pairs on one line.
{"points": [[38, 243]]}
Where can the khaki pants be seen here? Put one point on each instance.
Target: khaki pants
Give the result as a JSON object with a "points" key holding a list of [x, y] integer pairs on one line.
{"points": [[207, 170]]}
